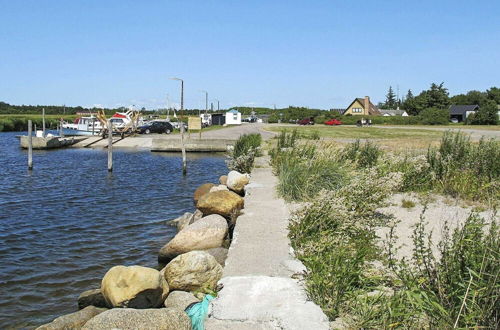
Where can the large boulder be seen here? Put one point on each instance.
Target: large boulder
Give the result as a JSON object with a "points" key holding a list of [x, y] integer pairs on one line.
{"points": [[187, 219], [134, 287], [192, 271], [237, 181], [132, 319], [225, 203], [223, 179], [91, 298], [74, 320], [180, 300], [208, 232], [202, 190]]}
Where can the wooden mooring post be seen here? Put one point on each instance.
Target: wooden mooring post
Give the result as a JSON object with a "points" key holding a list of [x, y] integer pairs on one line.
{"points": [[183, 147], [43, 122], [110, 146], [30, 146]]}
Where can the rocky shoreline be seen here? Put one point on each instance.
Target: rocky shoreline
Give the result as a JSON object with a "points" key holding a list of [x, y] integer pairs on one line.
{"points": [[133, 297]]}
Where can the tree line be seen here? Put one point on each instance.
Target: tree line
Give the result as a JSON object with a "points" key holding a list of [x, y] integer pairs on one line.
{"points": [[436, 100]]}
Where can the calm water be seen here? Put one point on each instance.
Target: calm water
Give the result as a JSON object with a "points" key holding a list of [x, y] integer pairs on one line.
{"points": [[63, 225]]}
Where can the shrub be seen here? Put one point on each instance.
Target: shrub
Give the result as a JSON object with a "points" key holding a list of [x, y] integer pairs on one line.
{"points": [[242, 157], [364, 155], [462, 168], [303, 172], [462, 288], [486, 115], [333, 236], [434, 116]]}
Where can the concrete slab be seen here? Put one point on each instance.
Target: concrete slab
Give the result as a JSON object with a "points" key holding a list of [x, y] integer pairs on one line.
{"points": [[276, 302], [260, 243], [258, 291]]}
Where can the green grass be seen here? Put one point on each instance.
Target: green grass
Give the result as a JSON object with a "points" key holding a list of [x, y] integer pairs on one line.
{"points": [[246, 148], [344, 132]]}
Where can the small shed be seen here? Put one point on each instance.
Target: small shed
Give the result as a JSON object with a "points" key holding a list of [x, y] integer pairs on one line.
{"points": [[233, 117], [461, 112]]}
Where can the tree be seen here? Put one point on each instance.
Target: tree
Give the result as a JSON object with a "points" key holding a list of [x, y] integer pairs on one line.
{"points": [[434, 116], [438, 96], [494, 94], [390, 99], [486, 115], [409, 104]]}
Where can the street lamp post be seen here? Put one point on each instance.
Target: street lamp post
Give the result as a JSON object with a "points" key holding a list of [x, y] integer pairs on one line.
{"points": [[206, 100], [181, 126]]}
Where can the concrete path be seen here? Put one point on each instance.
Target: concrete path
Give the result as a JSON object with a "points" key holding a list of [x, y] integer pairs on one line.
{"points": [[146, 141], [258, 289]]}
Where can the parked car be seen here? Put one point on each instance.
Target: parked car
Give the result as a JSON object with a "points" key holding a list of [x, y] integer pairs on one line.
{"points": [[156, 127], [332, 122], [306, 121], [176, 125]]}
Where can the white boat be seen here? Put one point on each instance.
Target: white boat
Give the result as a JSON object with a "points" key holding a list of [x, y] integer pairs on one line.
{"points": [[83, 126], [92, 125]]}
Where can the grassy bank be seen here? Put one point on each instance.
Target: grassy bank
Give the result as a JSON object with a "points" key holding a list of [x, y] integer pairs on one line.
{"points": [[16, 123], [360, 283]]}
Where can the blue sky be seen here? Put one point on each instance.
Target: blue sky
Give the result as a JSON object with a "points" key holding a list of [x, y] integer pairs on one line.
{"points": [[307, 53]]}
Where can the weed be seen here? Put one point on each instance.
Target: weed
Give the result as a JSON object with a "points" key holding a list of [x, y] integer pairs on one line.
{"points": [[242, 157], [407, 204]]}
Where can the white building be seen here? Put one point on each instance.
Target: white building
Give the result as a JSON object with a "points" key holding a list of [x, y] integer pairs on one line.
{"points": [[391, 113], [233, 117]]}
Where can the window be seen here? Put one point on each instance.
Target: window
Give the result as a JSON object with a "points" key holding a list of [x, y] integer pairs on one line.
{"points": [[235, 116], [357, 110]]}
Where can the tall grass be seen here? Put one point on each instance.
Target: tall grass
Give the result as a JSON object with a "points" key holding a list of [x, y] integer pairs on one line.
{"points": [[245, 149], [364, 155], [465, 169]]}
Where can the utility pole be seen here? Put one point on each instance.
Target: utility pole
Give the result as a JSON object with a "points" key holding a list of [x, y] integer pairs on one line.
{"points": [[183, 148], [206, 101]]}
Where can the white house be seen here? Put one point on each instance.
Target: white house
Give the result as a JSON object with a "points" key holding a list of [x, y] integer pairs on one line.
{"points": [[233, 117], [391, 113]]}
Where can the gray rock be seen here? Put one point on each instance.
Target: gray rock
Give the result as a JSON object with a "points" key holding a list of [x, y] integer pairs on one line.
{"points": [[91, 298], [206, 233], [176, 221], [192, 271], [197, 215], [74, 320], [180, 300], [144, 319], [134, 286], [220, 254]]}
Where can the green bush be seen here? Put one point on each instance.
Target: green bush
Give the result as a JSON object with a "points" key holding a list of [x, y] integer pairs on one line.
{"points": [[334, 239], [434, 116], [486, 115], [465, 169], [242, 157], [303, 174], [364, 155], [462, 288]]}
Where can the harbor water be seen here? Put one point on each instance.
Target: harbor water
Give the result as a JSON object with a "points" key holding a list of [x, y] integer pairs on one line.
{"points": [[64, 224]]}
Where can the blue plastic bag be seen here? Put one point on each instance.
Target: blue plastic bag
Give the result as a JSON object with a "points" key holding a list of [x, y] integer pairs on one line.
{"points": [[197, 313]]}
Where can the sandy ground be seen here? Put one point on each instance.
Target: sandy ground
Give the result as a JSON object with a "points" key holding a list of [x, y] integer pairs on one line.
{"points": [[439, 211]]}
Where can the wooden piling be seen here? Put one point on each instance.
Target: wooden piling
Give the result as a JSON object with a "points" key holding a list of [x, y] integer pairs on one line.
{"points": [[110, 146], [183, 148], [30, 146]]}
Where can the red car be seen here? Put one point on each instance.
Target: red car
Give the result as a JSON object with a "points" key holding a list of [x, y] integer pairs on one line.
{"points": [[332, 122], [306, 121]]}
